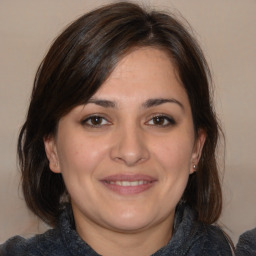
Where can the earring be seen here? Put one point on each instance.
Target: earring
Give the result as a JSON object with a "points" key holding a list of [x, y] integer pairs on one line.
{"points": [[194, 166]]}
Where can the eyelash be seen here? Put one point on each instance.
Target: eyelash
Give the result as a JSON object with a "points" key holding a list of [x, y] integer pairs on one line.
{"points": [[90, 118], [167, 121]]}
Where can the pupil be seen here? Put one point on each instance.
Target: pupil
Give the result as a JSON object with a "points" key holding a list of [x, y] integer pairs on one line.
{"points": [[96, 120], [159, 120]]}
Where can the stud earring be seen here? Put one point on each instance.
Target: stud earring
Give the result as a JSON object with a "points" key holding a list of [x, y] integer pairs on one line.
{"points": [[194, 166]]}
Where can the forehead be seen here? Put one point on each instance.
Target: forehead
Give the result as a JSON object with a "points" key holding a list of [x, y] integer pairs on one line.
{"points": [[143, 73], [141, 60]]}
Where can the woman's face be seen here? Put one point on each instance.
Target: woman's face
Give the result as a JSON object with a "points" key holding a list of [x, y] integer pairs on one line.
{"points": [[126, 155]]}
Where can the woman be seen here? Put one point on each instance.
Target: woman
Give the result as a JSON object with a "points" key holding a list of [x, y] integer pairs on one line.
{"points": [[118, 149]]}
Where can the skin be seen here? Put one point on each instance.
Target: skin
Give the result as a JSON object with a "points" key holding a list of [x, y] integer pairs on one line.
{"points": [[135, 134]]}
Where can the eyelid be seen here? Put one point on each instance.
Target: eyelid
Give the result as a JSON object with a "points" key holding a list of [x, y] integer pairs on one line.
{"points": [[170, 119], [85, 120]]}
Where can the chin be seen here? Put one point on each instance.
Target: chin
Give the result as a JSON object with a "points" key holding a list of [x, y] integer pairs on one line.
{"points": [[131, 226], [130, 221]]}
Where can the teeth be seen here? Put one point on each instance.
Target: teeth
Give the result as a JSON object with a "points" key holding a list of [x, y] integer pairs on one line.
{"points": [[128, 183]]}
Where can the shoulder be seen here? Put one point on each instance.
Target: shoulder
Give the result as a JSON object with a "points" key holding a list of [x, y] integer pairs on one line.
{"points": [[194, 238], [14, 246], [213, 241], [247, 243], [48, 243]]}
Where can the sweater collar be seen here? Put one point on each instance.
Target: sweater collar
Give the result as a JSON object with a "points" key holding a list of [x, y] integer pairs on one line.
{"points": [[74, 243], [185, 232]]}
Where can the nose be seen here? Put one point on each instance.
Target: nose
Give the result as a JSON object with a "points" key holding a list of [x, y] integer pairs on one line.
{"points": [[130, 146]]}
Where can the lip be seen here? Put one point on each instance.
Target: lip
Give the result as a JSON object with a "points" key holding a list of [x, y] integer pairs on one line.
{"points": [[124, 184]]}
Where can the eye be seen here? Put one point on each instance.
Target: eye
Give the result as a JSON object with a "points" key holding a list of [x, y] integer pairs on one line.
{"points": [[161, 120], [95, 121]]}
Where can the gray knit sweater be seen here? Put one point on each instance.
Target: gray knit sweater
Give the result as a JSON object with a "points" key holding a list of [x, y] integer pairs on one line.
{"points": [[247, 244], [190, 238]]}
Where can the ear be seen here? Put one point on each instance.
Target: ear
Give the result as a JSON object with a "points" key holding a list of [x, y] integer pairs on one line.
{"points": [[197, 150], [51, 153]]}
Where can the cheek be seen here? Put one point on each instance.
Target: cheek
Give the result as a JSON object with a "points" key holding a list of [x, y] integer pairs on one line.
{"points": [[80, 160], [175, 160], [78, 155], [174, 153]]}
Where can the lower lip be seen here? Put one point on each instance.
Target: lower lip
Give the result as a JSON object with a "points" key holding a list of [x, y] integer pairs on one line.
{"points": [[129, 190]]}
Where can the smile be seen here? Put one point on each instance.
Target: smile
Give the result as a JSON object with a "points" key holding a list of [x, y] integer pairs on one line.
{"points": [[128, 183]]}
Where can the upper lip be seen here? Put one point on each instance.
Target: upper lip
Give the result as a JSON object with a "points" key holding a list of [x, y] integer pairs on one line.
{"points": [[129, 177]]}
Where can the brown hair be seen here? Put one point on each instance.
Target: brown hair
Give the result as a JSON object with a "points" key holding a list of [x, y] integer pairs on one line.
{"points": [[77, 64]]}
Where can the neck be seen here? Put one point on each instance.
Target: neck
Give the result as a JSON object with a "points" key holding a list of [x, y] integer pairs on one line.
{"points": [[109, 242]]}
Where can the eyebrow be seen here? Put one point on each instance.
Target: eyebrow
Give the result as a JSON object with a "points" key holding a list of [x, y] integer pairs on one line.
{"points": [[147, 104], [158, 101], [102, 103]]}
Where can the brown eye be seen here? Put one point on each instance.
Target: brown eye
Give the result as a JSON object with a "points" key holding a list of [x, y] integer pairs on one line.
{"points": [[95, 121], [162, 121], [159, 120]]}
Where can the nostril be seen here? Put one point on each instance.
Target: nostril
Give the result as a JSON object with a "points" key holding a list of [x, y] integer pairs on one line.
{"points": [[129, 146], [131, 159]]}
